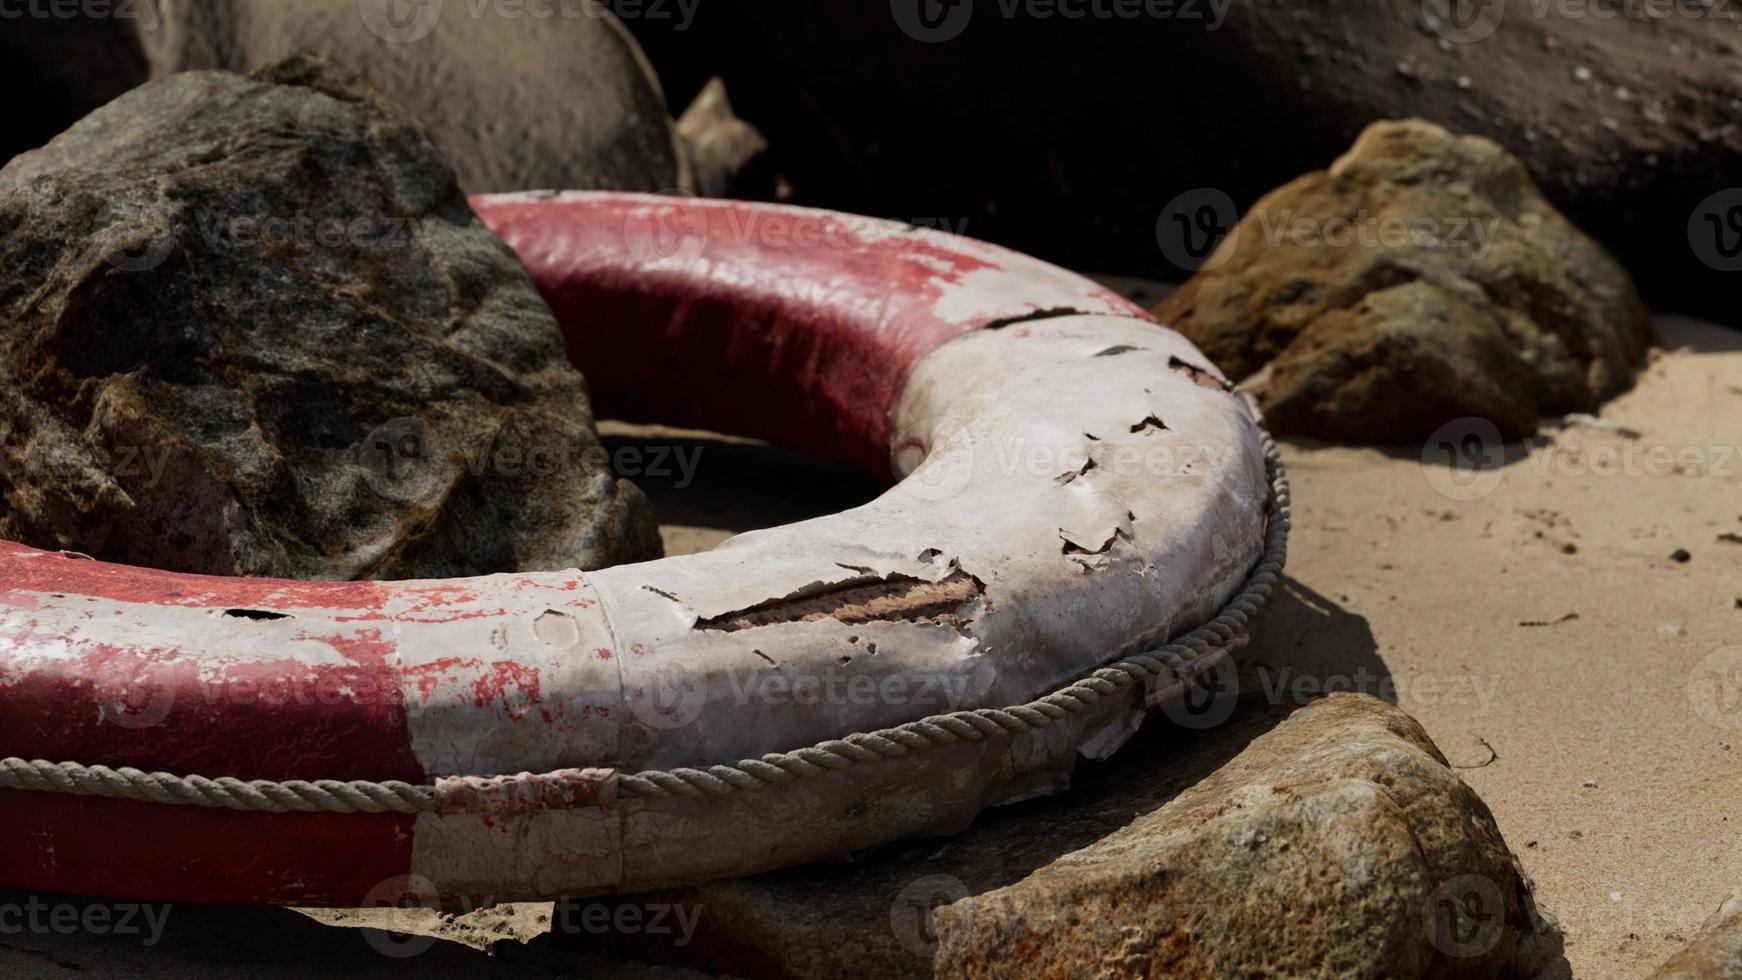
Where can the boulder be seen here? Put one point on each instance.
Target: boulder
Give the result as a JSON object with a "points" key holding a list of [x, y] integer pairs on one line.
{"points": [[1716, 954], [250, 326], [994, 112], [723, 151], [1421, 279], [1338, 842], [520, 96]]}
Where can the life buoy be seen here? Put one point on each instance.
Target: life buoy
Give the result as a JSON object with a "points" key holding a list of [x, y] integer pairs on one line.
{"points": [[1087, 515]]}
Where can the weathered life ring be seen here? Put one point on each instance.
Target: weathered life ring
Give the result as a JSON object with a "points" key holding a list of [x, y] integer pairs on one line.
{"points": [[1088, 516]]}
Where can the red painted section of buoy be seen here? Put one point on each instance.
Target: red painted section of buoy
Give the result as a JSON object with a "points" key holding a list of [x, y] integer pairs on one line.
{"points": [[787, 324]]}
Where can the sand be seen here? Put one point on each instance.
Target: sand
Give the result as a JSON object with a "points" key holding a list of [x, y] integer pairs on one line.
{"points": [[1585, 736], [1542, 633]]}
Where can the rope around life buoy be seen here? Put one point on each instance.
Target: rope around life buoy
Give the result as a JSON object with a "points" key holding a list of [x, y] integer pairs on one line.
{"points": [[1183, 660]]}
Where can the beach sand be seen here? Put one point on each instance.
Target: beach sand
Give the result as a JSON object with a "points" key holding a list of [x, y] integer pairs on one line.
{"points": [[1587, 683]]}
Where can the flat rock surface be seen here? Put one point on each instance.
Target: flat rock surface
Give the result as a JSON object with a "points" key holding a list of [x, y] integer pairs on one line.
{"points": [[249, 326]]}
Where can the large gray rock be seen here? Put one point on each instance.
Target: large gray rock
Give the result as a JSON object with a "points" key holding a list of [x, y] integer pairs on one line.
{"points": [[1421, 279], [1716, 954], [250, 326], [519, 96], [1338, 843]]}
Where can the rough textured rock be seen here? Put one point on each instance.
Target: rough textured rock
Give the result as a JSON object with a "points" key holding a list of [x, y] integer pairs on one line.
{"points": [[1716, 954], [518, 96], [721, 148], [1000, 115], [250, 326], [1337, 843], [1422, 278]]}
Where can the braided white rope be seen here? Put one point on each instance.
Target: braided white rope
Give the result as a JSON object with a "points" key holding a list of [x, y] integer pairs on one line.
{"points": [[1174, 664]]}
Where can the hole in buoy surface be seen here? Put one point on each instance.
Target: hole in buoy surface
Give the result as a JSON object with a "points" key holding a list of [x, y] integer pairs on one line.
{"points": [[259, 615]]}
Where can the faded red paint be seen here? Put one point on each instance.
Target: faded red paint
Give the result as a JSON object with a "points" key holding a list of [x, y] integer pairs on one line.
{"points": [[797, 328], [25, 570]]}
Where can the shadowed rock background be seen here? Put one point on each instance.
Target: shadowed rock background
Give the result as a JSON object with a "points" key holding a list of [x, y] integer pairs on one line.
{"points": [[1629, 119], [515, 103]]}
